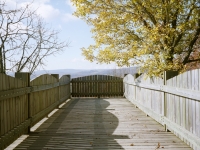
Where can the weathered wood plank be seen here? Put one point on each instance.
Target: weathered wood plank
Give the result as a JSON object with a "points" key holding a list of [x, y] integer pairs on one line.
{"points": [[90, 123]]}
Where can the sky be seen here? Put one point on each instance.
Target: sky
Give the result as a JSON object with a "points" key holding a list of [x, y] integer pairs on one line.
{"points": [[58, 15]]}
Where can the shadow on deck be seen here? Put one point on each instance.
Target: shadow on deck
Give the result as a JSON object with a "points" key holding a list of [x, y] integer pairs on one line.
{"points": [[89, 123]]}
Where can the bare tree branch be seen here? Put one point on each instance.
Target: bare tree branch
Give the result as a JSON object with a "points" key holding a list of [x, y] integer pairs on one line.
{"points": [[25, 39]]}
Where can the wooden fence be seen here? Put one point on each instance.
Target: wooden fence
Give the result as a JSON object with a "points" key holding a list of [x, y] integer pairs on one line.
{"points": [[24, 103], [97, 86], [172, 101]]}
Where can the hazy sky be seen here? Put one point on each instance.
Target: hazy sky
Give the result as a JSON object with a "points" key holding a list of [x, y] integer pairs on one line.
{"points": [[58, 13]]}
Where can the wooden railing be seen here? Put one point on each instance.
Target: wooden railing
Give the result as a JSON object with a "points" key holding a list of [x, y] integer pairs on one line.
{"points": [[172, 101], [23, 102]]}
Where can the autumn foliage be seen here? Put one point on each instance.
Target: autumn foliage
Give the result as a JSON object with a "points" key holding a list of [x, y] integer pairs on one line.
{"points": [[194, 56], [157, 35]]}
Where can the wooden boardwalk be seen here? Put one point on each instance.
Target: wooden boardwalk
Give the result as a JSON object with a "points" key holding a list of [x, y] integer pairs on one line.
{"points": [[103, 124]]}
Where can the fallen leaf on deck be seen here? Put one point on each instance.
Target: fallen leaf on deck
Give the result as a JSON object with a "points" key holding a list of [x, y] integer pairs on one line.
{"points": [[158, 146]]}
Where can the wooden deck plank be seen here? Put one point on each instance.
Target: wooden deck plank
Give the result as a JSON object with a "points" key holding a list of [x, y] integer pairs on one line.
{"points": [[101, 124]]}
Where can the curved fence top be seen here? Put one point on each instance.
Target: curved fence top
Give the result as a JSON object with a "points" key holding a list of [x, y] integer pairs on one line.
{"points": [[8, 82], [64, 79], [99, 77], [189, 80], [43, 79]]}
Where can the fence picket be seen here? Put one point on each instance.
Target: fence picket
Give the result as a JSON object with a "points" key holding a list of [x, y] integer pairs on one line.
{"points": [[97, 86], [15, 108]]}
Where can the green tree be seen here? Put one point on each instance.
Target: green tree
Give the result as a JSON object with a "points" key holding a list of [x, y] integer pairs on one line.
{"points": [[157, 35]]}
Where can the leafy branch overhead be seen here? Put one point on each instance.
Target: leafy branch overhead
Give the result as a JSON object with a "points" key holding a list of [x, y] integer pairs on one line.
{"points": [[157, 35], [25, 40]]}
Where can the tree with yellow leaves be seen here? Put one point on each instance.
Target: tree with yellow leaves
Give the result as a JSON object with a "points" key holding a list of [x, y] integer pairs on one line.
{"points": [[157, 35]]}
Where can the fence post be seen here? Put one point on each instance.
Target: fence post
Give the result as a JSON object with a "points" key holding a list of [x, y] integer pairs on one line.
{"points": [[25, 76], [167, 75], [70, 86], [56, 76], [137, 75], [124, 87], [58, 88]]}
